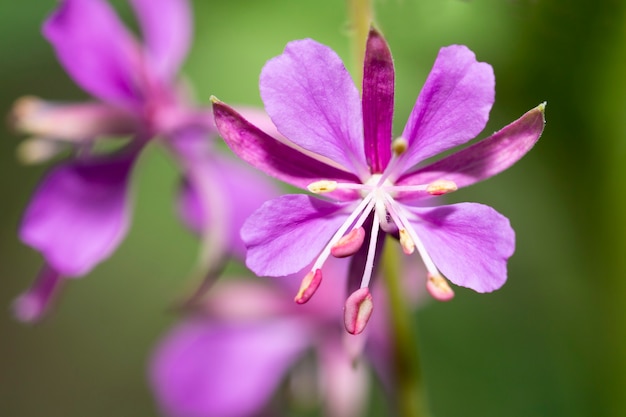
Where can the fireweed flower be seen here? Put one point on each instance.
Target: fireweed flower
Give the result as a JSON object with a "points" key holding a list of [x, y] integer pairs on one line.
{"points": [[230, 358], [340, 146], [81, 210]]}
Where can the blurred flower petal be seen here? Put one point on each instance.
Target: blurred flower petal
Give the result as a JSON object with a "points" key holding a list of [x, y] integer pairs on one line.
{"points": [[205, 369], [79, 213]]}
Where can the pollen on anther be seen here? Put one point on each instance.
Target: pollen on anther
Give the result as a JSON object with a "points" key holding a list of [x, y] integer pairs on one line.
{"points": [[309, 285], [358, 310], [408, 246], [440, 187], [399, 146], [439, 288], [349, 244], [322, 186]]}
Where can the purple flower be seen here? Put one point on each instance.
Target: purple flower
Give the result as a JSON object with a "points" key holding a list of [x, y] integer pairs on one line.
{"points": [[340, 145], [81, 210], [230, 358]]}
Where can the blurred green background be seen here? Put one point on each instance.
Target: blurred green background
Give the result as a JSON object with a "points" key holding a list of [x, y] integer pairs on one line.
{"points": [[552, 342]]}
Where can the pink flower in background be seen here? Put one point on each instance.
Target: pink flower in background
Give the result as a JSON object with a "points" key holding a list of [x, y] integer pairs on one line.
{"points": [[230, 359], [80, 212], [340, 145]]}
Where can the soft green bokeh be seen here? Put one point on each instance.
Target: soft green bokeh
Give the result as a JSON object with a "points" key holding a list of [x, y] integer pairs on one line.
{"points": [[550, 343]]}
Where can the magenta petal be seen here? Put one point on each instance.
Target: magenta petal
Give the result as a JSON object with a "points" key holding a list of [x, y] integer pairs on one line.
{"points": [[79, 214], [206, 369], [239, 189], [95, 49], [273, 157], [378, 85], [453, 106], [486, 158], [310, 96], [470, 243], [166, 26], [287, 233]]}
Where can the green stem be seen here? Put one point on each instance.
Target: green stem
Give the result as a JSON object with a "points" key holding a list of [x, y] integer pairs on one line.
{"points": [[361, 17], [409, 391]]}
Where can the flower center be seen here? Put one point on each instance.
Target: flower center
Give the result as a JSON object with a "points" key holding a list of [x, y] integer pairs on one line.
{"points": [[379, 203]]}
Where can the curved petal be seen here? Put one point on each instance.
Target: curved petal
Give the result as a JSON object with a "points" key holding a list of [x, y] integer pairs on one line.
{"points": [[79, 214], [95, 49], [470, 243], [287, 233], [378, 85], [310, 96], [240, 189], [166, 26], [453, 106], [206, 369], [273, 157], [486, 158]]}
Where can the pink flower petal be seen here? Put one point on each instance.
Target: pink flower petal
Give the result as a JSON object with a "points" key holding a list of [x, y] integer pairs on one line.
{"points": [[378, 85], [287, 233], [206, 369], [79, 214], [453, 106], [310, 96], [166, 26], [96, 50], [486, 158], [273, 157], [238, 188], [470, 243]]}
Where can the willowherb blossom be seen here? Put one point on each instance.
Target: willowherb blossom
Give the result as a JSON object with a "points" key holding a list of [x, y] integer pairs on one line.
{"points": [[80, 212], [230, 358], [340, 145]]}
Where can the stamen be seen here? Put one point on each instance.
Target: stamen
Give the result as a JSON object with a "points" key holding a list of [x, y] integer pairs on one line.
{"points": [[386, 222], [440, 187], [309, 285], [365, 213], [399, 146], [358, 310], [408, 247], [439, 288], [437, 187], [327, 186], [371, 253], [312, 280], [35, 150], [323, 186], [75, 123], [403, 223], [349, 244], [406, 188], [363, 207]]}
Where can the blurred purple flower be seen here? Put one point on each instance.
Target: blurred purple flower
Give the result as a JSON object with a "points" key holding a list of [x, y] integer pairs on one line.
{"points": [[230, 359], [340, 145], [81, 210]]}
